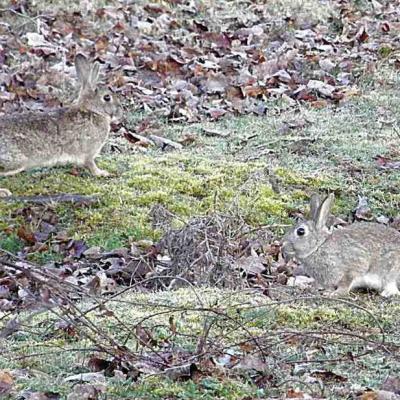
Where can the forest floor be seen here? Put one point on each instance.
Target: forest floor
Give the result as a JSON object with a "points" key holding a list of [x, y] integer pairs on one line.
{"points": [[165, 280]]}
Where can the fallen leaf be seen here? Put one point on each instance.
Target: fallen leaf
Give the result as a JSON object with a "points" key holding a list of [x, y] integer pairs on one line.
{"points": [[251, 265], [86, 377], [387, 163], [181, 372], [6, 382], [321, 87]]}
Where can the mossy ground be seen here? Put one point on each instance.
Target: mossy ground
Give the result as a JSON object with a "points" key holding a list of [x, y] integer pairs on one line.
{"points": [[292, 333], [264, 171], [266, 168]]}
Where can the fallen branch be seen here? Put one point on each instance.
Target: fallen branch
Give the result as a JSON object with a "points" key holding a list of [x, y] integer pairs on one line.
{"points": [[213, 132], [135, 138], [53, 198], [163, 142]]}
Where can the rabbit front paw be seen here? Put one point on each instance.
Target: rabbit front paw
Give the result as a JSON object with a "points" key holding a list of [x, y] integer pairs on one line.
{"points": [[95, 170]]}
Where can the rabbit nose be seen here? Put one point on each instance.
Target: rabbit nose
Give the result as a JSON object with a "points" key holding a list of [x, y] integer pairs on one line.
{"points": [[117, 116], [287, 250]]}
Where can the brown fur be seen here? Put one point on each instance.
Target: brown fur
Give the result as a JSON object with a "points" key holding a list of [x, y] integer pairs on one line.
{"points": [[361, 255], [73, 134]]}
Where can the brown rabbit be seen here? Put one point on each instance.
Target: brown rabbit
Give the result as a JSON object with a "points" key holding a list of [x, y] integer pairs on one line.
{"points": [[360, 255], [74, 134]]}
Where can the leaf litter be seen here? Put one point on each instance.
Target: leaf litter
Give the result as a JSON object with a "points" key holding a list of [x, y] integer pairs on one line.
{"points": [[193, 62], [186, 63]]}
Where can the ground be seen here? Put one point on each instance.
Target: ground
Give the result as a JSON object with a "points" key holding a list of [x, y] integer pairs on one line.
{"points": [[330, 149], [289, 342]]}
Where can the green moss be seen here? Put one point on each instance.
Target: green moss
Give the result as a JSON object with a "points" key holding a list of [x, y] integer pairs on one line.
{"points": [[10, 242], [314, 317], [290, 177], [186, 185], [385, 50], [263, 206], [157, 388]]}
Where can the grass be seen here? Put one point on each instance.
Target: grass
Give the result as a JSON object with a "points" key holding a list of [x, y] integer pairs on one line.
{"points": [[263, 169], [291, 332]]}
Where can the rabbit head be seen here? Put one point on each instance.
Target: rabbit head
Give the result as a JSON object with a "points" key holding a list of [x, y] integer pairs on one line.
{"points": [[92, 97], [307, 236]]}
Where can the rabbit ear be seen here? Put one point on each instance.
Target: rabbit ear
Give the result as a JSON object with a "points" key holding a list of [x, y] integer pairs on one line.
{"points": [[82, 69], [323, 211], [315, 202], [94, 74]]}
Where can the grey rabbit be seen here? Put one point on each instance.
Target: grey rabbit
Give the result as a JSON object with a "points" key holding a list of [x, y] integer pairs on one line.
{"points": [[74, 134], [360, 255]]}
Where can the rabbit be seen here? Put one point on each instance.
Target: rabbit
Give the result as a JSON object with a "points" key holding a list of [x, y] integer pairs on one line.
{"points": [[73, 134], [360, 255]]}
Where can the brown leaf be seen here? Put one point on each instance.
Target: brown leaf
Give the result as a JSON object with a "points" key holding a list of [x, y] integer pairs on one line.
{"points": [[321, 87], [101, 44], [254, 91], [362, 35], [216, 113], [369, 395], [385, 27], [294, 394], [6, 382], [328, 376], [138, 140], [386, 163], [188, 139], [25, 233], [251, 265], [96, 364], [378, 395]]}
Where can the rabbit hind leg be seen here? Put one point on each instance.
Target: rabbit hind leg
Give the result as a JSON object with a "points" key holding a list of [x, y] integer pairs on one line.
{"points": [[390, 290], [343, 287], [351, 282], [12, 171], [5, 192], [391, 261]]}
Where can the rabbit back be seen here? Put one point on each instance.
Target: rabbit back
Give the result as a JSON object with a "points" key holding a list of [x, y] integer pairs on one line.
{"points": [[66, 135]]}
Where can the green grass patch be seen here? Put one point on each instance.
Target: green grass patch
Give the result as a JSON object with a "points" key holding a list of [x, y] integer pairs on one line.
{"points": [[156, 388], [334, 151], [185, 184], [312, 329]]}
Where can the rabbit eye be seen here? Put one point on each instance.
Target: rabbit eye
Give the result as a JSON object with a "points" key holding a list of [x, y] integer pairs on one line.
{"points": [[300, 231], [107, 98]]}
